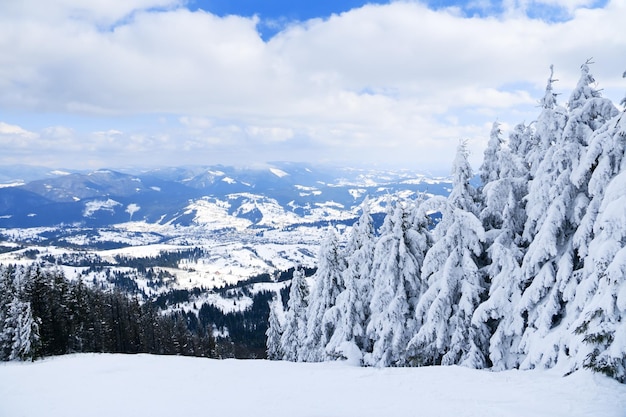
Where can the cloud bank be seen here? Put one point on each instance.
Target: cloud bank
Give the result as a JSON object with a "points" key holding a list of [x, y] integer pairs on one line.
{"points": [[149, 82]]}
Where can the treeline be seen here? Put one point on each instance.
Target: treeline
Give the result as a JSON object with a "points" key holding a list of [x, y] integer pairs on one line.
{"points": [[42, 314], [245, 330], [142, 264], [526, 271], [166, 259]]}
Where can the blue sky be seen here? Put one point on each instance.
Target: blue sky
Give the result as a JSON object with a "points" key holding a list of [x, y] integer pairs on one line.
{"points": [[120, 83], [275, 14]]}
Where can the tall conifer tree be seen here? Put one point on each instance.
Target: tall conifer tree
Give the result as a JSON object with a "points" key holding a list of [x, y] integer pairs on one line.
{"points": [[294, 331], [352, 305], [455, 285], [328, 284]]}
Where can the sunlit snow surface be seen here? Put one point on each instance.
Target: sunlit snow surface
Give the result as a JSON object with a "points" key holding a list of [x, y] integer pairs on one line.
{"points": [[143, 385]]}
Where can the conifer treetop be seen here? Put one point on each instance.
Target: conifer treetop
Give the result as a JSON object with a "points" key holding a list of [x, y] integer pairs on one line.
{"points": [[549, 99], [584, 89]]}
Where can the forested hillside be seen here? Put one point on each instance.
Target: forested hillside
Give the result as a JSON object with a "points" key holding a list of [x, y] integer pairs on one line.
{"points": [[42, 313], [526, 271]]}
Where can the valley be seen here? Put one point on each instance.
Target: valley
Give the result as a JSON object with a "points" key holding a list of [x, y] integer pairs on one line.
{"points": [[152, 232]]}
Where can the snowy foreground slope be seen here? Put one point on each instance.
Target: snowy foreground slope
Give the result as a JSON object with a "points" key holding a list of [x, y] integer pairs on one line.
{"points": [[144, 385]]}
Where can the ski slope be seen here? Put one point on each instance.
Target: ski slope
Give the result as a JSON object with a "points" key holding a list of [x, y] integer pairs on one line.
{"points": [[100, 385]]}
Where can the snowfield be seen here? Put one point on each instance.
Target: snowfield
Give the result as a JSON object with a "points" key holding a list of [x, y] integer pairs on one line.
{"points": [[144, 385]]}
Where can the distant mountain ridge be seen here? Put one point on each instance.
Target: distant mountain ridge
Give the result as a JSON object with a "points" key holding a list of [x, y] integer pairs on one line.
{"points": [[275, 195]]}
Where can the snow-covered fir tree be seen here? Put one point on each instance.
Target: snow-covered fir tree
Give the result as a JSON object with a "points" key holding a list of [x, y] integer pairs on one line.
{"points": [[602, 325], [584, 90], [294, 329], [25, 331], [19, 331], [555, 209], [275, 329], [521, 142], [7, 294], [490, 169], [327, 285], [455, 285], [547, 128], [601, 295], [398, 257], [503, 217], [352, 305]]}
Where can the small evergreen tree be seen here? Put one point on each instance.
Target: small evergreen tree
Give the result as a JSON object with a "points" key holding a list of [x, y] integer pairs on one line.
{"points": [[294, 331], [26, 331], [19, 332], [7, 294], [274, 330], [328, 284], [490, 168]]}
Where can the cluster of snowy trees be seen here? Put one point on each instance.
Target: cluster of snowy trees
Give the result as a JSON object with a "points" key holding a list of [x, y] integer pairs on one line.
{"points": [[528, 270], [42, 313]]}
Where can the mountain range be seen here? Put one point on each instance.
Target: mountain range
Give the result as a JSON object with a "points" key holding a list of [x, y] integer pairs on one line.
{"points": [[275, 195]]}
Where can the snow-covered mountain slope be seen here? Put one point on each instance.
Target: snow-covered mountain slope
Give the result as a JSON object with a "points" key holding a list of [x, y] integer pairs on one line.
{"points": [[244, 222], [144, 385], [272, 196]]}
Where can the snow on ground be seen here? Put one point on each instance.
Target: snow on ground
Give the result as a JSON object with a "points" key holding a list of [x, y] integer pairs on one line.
{"points": [[226, 305], [12, 184], [278, 172], [143, 385]]}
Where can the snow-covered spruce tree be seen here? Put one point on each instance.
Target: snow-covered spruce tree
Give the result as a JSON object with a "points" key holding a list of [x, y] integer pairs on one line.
{"points": [[7, 293], [503, 217], [599, 164], [556, 207], [521, 142], [19, 331], [455, 285], [349, 340], [275, 329], [602, 324], [26, 331], [504, 182], [328, 284], [601, 294], [294, 329], [547, 128], [490, 169], [398, 257]]}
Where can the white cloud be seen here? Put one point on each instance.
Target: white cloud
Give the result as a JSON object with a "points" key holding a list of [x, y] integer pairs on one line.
{"points": [[12, 131], [99, 12], [568, 6], [375, 82], [270, 134]]}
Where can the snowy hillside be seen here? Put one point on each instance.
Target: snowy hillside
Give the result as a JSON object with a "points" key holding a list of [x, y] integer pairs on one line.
{"points": [[144, 385], [217, 197], [246, 221]]}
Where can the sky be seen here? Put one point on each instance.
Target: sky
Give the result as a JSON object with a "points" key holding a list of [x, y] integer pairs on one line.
{"points": [[148, 83]]}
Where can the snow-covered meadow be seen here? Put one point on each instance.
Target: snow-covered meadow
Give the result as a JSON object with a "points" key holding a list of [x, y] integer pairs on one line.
{"points": [[144, 385]]}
